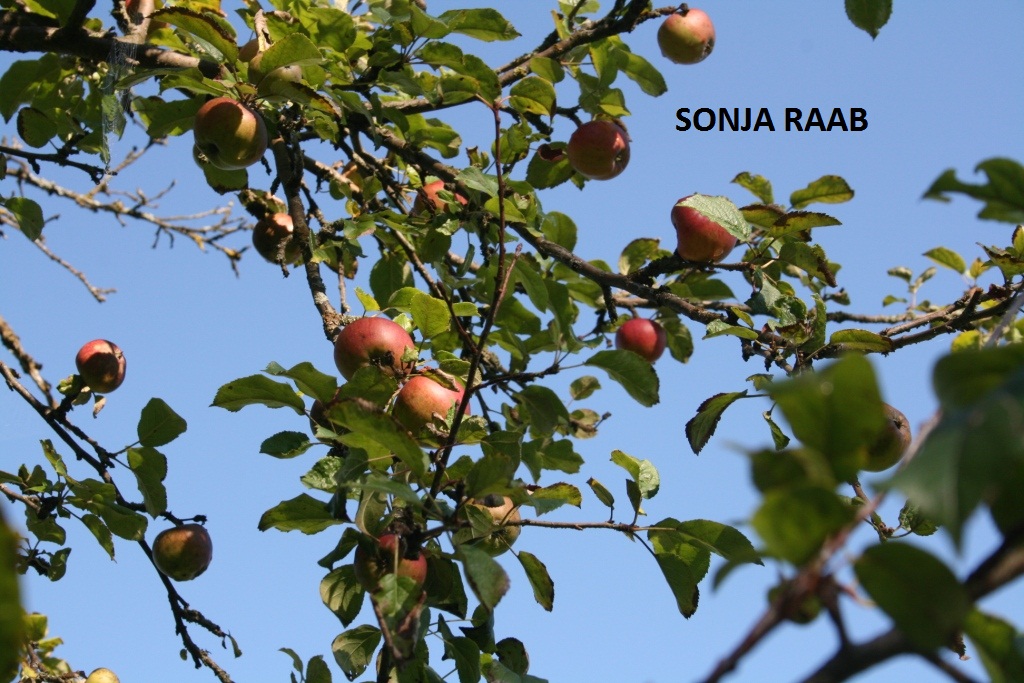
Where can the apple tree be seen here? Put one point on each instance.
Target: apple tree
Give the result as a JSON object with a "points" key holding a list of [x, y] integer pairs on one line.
{"points": [[466, 329]]}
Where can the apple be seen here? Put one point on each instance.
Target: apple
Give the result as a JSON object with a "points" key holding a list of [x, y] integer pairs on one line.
{"points": [[687, 37], [699, 237], [272, 233], [644, 337], [229, 134], [318, 415], [503, 511], [102, 675], [891, 444], [389, 554], [249, 50], [599, 149], [427, 198], [423, 397], [101, 365], [183, 552], [371, 341]]}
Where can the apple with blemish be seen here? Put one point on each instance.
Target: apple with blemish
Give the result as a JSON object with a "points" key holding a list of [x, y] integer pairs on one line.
{"points": [[229, 134], [389, 554], [183, 552], [599, 149], [505, 515], [272, 239], [101, 365], [371, 341], [687, 37]]}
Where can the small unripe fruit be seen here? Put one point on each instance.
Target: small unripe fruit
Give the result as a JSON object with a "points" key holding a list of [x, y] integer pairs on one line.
{"points": [[599, 150], [102, 675], [643, 337], [183, 552], [371, 341], [389, 555], [687, 38], [699, 237], [271, 233], [101, 365], [891, 443], [502, 511]]}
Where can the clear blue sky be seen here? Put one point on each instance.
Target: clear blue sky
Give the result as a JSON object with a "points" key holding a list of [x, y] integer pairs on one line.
{"points": [[942, 88]]}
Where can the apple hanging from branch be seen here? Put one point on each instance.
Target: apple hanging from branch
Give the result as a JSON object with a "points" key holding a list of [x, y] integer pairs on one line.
{"points": [[272, 239], [892, 442], [687, 37], [371, 341], [183, 552], [229, 134], [644, 337], [599, 149], [699, 237], [389, 554], [101, 365]]}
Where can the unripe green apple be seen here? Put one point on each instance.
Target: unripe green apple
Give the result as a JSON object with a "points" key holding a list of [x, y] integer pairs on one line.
{"points": [[423, 397], [274, 82], [183, 552], [272, 233], [644, 337], [388, 555], [699, 237], [101, 365], [687, 38], [502, 511], [891, 444], [371, 341], [102, 675], [229, 134], [599, 149]]}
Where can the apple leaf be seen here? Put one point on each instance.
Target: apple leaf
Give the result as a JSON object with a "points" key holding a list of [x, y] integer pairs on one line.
{"points": [[641, 72], [918, 591], [285, 445], [159, 425], [545, 409], [533, 95], [486, 24], [948, 258], [555, 496], [317, 670], [701, 426], [869, 15], [828, 189], [257, 389], [758, 185], [100, 498], [486, 577], [214, 33], [353, 650], [722, 211], [637, 253], [540, 580], [303, 513], [643, 472], [100, 531], [602, 493], [998, 644], [635, 374], [12, 625], [795, 521], [1003, 195], [718, 328], [862, 341], [28, 215], [150, 468], [718, 538], [683, 564], [308, 379], [342, 593]]}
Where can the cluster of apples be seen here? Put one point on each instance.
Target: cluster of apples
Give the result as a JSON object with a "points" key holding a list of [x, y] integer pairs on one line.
{"points": [[599, 149]]}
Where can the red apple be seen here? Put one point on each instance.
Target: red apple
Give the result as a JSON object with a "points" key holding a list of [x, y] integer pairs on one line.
{"points": [[423, 397], [229, 134], [502, 511], [318, 415], [699, 237], [389, 554], [891, 444], [644, 337], [272, 233], [371, 341], [599, 150], [183, 552], [427, 197], [687, 37], [101, 365]]}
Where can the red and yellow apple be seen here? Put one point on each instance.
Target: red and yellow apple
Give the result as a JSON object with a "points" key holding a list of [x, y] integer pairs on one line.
{"points": [[102, 675], [699, 237], [371, 341], [644, 337], [101, 365], [599, 149], [272, 238], [893, 441], [502, 511], [423, 397], [229, 134], [427, 199], [389, 554], [183, 552], [687, 37]]}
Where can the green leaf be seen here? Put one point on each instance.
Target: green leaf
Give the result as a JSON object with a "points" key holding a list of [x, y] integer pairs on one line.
{"points": [[463, 650], [683, 565], [643, 472], [722, 211], [303, 513], [794, 222], [555, 496], [642, 72], [308, 379], [861, 340], [100, 531], [544, 407], [920, 594], [1003, 195], [540, 580], [718, 328], [758, 185], [485, 24], [28, 214], [637, 253], [255, 390], [12, 623], [486, 577], [869, 15], [431, 316], [100, 498], [353, 650], [214, 33], [342, 593], [150, 468], [635, 374], [828, 189], [317, 670], [583, 387], [701, 426], [999, 644], [794, 522], [533, 95], [159, 425], [947, 257], [379, 428], [721, 539], [286, 445]]}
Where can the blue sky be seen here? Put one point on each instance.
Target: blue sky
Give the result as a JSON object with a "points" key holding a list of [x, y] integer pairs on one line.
{"points": [[942, 88]]}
